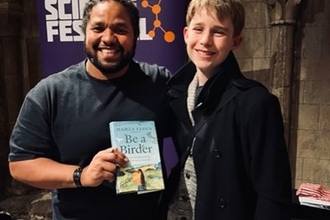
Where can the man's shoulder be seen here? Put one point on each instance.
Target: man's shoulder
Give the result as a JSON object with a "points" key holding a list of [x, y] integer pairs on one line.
{"points": [[72, 71], [152, 68], [60, 80]]}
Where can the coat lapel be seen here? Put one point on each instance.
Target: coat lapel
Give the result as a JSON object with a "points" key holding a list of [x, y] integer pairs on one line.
{"points": [[179, 91], [218, 91]]}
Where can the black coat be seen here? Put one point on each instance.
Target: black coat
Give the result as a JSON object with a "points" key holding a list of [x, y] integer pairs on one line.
{"points": [[240, 157]]}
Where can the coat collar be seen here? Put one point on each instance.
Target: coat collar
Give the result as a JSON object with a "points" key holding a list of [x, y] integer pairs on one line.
{"points": [[228, 71], [212, 96], [214, 88]]}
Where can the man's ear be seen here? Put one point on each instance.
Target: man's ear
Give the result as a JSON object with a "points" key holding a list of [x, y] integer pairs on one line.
{"points": [[237, 42]]}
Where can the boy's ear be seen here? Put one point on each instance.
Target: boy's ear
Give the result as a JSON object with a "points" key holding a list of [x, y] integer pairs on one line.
{"points": [[185, 33], [237, 41]]}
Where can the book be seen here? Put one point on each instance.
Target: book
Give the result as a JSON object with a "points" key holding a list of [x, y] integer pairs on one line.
{"points": [[139, 142], [313, 202]]}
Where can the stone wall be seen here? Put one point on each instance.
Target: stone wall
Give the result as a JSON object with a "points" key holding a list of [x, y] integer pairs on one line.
{"points": [[311, 128], [20, 69], [11, 82], [303, 85]]}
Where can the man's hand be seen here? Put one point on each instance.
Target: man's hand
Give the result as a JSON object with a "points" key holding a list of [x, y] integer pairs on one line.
{"points": [[103, 166]]}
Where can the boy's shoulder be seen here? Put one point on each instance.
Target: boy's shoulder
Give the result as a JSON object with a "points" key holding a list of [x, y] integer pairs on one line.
{"points": [[246, 83], [251, 89]]}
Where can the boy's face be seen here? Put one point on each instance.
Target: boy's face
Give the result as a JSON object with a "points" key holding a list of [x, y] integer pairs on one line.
{"points": [[209, 40], [109, 42]]}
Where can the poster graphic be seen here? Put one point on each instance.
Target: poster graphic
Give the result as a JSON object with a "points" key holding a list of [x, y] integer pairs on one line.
{"points": [[160, 41]]}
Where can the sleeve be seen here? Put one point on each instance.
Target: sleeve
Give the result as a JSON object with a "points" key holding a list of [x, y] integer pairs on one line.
{"points": [[31, 136], [270, 167]]}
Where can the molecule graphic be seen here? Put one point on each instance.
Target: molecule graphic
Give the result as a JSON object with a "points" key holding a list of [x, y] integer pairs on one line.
{"points": [[169, 36]]}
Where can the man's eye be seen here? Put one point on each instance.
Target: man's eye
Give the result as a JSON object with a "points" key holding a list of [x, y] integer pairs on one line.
{"points": [[97, 29], [120, 30]]}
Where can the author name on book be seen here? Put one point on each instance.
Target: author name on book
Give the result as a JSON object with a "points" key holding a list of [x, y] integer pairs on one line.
{"points": [[134, 129]]}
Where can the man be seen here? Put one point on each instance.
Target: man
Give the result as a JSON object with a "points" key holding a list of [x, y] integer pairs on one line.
{"points": [[61, 138]]}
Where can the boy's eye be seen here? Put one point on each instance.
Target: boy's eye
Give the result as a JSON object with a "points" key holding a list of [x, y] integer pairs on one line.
{"points": [[199, 30], [219, 32]]}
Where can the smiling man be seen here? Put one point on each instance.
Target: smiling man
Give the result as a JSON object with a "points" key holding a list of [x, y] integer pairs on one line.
{"points": [[61, 138]]}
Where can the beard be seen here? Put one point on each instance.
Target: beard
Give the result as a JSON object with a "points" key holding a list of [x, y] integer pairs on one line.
{"points": [[105, 68]]}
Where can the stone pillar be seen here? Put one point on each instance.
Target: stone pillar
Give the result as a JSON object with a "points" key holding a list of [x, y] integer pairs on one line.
{"points": [[283, 15], [10, 79]]}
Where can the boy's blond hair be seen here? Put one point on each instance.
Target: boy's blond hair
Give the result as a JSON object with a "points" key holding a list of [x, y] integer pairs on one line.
{"points": [[224, 9]]}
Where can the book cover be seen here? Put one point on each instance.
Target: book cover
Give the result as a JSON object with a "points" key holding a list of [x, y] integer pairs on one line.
{"points": [[138, 141], [313, 202]]}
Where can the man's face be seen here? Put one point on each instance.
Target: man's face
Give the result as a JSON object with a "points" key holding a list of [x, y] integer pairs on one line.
{"points": [[109, 42]]}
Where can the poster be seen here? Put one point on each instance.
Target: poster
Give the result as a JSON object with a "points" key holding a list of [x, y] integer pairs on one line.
{"points": [[160, 41]]}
